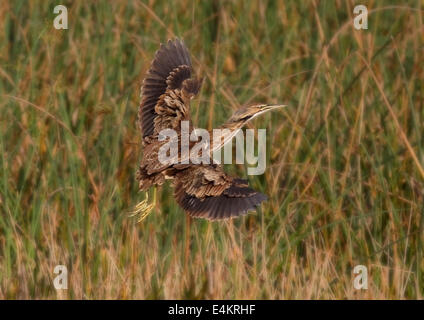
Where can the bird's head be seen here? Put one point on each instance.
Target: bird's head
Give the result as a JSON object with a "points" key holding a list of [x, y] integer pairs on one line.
{"points": [[245, 114]]}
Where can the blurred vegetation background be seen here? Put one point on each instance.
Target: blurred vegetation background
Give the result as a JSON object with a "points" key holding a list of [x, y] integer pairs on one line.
{"points": [[344, 162]]}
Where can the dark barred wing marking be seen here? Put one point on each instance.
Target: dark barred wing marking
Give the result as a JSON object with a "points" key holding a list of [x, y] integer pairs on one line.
{"points": [[221, 198]]}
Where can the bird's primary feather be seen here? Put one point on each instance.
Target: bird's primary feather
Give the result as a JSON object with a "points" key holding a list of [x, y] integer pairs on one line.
{"points": [[170, 67]]}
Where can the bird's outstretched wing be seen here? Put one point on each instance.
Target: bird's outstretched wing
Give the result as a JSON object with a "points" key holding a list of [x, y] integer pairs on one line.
{"points": [[206, 191], [163, 103]]}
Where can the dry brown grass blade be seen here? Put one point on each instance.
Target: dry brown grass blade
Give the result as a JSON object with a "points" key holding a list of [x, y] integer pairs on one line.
{"points": [[394, 117], [81, 152]]}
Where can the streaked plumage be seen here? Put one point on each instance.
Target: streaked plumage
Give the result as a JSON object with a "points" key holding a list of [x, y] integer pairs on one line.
{"points": [[204, 191]]}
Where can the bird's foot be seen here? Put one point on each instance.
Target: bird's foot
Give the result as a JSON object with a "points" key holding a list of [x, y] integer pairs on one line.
{"points": [[142, 209]]}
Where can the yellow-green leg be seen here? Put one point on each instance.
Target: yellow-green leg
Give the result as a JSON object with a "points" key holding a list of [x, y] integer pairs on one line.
{"points": [[144, 208]]}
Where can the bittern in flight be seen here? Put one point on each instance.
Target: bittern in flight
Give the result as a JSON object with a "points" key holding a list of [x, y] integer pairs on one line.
{"points": [[202, 190]]}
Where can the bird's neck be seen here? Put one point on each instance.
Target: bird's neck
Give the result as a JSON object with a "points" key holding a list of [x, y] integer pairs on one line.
{"points": [[223, 134]]}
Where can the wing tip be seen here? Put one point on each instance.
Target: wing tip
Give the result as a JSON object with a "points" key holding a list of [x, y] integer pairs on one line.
{"points": [[221, 207], [168, 57]]}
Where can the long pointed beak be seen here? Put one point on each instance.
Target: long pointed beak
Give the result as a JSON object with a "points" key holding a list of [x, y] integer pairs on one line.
{"points": [[269, 107], [274, 106]]}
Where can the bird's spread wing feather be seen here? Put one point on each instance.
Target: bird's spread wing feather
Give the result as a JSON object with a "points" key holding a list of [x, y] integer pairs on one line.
{"points": [[162, 102], [206, 191]]}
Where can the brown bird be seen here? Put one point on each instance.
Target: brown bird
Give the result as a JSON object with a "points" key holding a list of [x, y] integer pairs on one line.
{"points": [[202, 190]]}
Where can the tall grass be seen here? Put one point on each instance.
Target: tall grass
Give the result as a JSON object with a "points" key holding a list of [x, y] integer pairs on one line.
{"points": [[345, 160]]}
